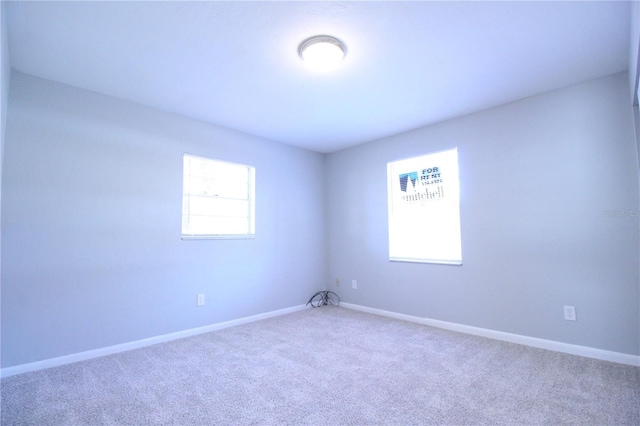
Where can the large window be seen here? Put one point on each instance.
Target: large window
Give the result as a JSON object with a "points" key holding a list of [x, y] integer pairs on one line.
{"points": [[217, 199], [424, 209]]}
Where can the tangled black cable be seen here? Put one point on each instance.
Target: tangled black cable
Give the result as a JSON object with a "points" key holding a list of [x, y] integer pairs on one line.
{"points": [[323, 298]]}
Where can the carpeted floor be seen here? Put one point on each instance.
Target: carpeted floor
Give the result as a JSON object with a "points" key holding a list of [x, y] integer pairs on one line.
{"points": [[328, 366]]}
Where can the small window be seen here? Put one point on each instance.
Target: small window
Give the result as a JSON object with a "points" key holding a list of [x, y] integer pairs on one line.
{"points": [[424, 209], [217, 199]]}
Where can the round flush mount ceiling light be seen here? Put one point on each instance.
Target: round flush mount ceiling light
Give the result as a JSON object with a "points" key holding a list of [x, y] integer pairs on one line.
{"points": [[322, 52]]}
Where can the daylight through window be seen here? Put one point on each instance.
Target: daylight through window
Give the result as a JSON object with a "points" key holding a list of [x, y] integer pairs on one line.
{"points": [[424, 209], [217, 199]]}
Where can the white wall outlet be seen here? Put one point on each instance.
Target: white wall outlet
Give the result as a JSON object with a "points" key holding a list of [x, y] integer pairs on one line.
{"points": [[570, 313], [337, 282], [354, 284], [200, 301]]}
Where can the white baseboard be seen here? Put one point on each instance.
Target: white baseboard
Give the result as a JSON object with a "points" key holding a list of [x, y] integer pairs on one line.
{"points": [[492, 334], [508, 337], [96, 353]]}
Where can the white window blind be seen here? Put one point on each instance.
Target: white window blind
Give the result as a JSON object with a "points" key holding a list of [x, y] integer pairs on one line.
{"points": [[424, 209], [218, 199]]}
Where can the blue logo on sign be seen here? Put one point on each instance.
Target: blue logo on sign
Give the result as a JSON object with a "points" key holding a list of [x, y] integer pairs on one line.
{"points": [[404, 180]]}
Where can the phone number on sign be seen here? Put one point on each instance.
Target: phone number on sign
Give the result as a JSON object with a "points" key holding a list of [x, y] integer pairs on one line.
{"points": [[622, 213]]}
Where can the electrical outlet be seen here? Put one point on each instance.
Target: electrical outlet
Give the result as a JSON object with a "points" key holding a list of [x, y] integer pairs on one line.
{"points": [[570, 313], [337, 282], [200, 301], [354, 284]]}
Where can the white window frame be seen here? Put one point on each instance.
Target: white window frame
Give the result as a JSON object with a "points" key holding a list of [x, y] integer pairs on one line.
{"points": [[189, 196], [424, 209]]}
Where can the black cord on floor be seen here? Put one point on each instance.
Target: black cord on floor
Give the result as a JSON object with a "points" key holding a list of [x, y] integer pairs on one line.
{"points": [[323, 298]]}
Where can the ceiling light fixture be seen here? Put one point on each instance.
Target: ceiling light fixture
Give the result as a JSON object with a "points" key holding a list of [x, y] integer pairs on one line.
{"points": [[322, 52]]}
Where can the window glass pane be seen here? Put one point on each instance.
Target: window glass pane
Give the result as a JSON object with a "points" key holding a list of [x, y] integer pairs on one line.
{"points": [[197, 185], [218, 198], [204, 225], [211, 206], [424, 211], [203, 167]]}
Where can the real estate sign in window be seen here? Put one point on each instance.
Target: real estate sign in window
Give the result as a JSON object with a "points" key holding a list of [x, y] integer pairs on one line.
{"points": [[424, 209]]}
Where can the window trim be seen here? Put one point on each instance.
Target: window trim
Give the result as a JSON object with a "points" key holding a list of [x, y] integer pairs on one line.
{"points": [[392, 175], [251, 198]]}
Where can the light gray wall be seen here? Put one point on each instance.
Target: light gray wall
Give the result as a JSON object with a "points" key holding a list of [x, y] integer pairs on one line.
{"points": [[92, 218], [636, 116], [537, 177], [5, 73], [5, 77], [634, 49]]}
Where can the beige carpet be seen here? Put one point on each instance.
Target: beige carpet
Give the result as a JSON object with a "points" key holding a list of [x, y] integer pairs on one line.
{"points": [[328, 366]]}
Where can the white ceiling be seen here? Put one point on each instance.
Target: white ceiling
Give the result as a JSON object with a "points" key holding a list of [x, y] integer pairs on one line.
{"points": [[235, 64]]}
